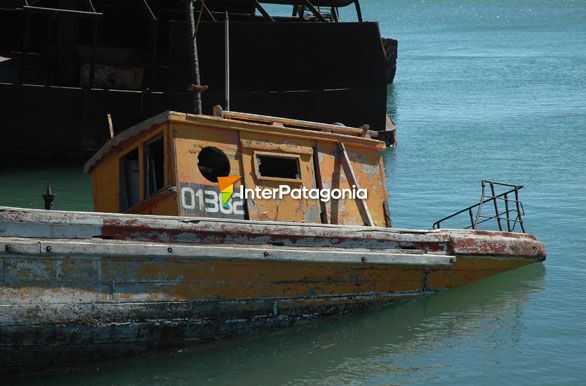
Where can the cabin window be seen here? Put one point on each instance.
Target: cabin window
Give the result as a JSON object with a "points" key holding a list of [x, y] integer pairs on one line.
{"points": [[129, 177], [277, 166], [213, 163], [154, 159]]}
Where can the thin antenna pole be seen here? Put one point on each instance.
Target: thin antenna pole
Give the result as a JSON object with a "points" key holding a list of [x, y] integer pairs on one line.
{"points": [[227, 64]]}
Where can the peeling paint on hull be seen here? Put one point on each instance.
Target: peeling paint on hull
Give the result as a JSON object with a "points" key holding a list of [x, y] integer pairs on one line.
{"points": [[68, 294]]}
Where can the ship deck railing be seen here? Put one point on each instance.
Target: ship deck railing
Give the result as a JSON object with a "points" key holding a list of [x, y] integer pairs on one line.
{"points": [[507, 219]]}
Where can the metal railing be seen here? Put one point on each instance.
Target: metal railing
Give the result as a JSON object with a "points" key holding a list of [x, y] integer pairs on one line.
{"points": [[506, 220]]}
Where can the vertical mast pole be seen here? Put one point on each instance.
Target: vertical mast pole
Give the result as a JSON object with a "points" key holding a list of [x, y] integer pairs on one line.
{"points": [[194, 65], [227, 61]]}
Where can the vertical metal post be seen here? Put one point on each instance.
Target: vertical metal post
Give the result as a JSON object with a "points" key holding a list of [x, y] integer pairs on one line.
{"points": [[227, 61], [519, 213], [194, 65], [335, 15], [471, 218], [496, 207], [507, 212], [298, 11], [475, 224], [49, 198]]}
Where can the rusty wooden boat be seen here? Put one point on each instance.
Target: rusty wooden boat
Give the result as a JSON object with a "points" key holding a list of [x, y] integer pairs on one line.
{"points": [[168, 260]]}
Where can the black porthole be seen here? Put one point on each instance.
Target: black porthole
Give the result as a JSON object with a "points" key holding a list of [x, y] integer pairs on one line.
{"points": [[213, 163]]}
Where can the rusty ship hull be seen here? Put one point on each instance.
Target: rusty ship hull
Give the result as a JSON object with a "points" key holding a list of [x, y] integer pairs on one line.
{"points": [[80, 286]]}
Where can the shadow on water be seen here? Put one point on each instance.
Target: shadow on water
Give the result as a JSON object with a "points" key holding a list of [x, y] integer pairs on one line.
{"points": [[341, 350]]}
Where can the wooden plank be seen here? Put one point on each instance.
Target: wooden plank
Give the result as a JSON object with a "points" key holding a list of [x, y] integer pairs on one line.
{"points": [[295, 123], [278, 147], [362, 206], [319, 184], [98, 247], [35, 223], [18, 222]]}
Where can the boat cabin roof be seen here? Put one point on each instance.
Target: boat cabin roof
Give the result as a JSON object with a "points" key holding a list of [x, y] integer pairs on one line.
{"points": [[329, 132]]}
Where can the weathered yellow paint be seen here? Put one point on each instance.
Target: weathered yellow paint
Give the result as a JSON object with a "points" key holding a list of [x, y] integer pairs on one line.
{"points": [[163, 203], [369, 175], [106, 176], [241, 142], [221, 279], [287, 209], [163, 279], [467, 270], [105, 180], [190, 140]]}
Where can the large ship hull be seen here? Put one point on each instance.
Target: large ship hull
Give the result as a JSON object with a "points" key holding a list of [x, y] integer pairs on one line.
{"points": [[327, 72]]}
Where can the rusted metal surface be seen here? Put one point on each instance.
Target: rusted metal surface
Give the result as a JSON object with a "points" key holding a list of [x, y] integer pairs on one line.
{"points": [[116, 284], [496, 244]]}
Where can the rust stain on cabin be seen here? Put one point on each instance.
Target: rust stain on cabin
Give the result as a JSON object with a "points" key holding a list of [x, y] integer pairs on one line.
{"points": [[242, 142]]}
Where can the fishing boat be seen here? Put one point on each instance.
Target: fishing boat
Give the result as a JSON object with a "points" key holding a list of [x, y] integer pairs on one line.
{"points": [[186, 245]]}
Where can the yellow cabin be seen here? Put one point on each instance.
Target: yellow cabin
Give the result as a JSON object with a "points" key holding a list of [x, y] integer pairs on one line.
{"points": [[170, 165]]}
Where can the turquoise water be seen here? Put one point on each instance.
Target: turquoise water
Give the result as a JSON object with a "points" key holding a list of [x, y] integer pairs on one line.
{"points": [[483, 90]]}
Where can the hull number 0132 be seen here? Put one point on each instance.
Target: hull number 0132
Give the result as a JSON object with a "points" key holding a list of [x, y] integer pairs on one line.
{"points": [[210, 201]]}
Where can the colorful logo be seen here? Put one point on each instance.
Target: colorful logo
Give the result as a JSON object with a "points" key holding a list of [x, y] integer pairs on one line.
{"points": [[226, 185]]}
